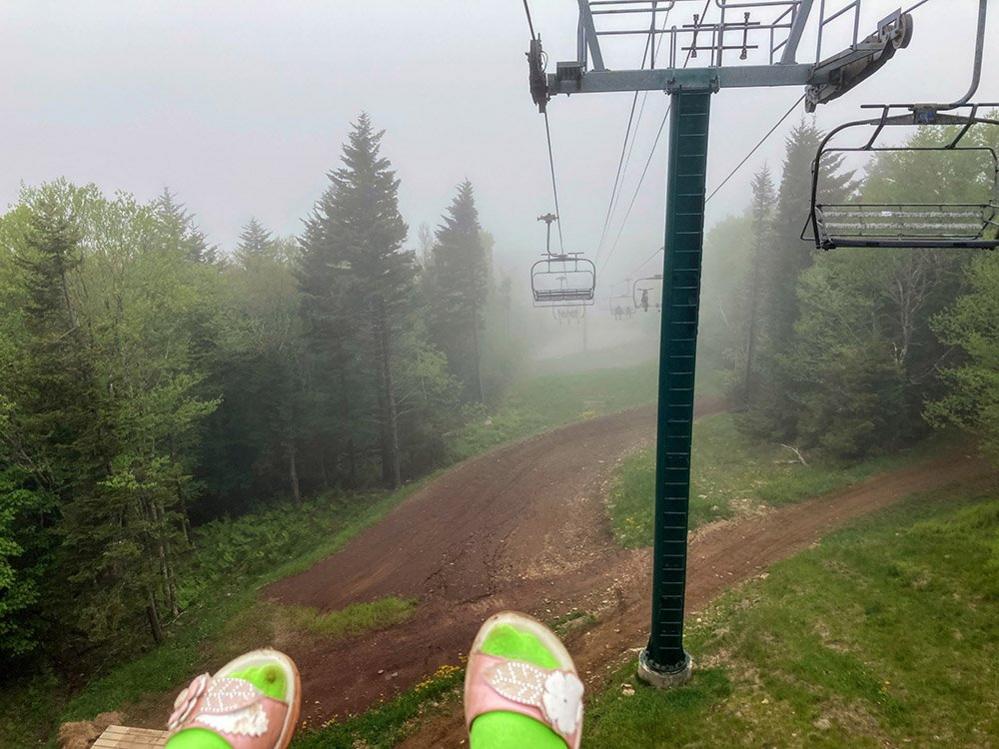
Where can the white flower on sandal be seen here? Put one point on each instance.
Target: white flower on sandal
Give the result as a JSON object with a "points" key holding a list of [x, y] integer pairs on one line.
{"points": [[562, 699], [557, 694]]}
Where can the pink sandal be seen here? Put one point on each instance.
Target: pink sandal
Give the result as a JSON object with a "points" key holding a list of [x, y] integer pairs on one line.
{"points": [[553, 697], [238, 711]]}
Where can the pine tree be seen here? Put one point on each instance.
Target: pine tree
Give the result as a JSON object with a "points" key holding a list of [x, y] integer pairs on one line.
{"points": [[49, 451], [357, 281], [329, 330], [255, 241], [971, 401], [457, 287], [56, 378], [257, 431], [786, 258], [764, 198], [177, 227]]}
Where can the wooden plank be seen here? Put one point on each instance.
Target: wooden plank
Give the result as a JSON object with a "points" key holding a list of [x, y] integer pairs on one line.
{"points": [[123, 737]]}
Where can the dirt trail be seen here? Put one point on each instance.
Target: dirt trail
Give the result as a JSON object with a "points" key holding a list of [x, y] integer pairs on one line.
{"points": [[524, 527], [721, 556]]}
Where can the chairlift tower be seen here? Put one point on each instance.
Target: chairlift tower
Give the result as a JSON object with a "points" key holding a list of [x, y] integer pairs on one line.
{"points": [[699, 47]]}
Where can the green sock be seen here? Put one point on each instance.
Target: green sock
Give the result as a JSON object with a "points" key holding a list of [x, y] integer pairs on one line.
{"points": [[504, 730], [269, 679]]}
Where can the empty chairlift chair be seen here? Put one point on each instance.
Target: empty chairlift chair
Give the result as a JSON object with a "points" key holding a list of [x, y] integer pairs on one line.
{"points": [[568, 280], [926, 222]]}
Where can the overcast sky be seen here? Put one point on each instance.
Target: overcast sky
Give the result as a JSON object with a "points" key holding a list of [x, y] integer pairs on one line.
{"points": [[241, 106]]}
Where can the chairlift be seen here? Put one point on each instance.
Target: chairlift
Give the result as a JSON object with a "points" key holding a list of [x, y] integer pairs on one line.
{"points": [[619, 303], [640, 293], [565, 279], [568, 314], [621, 306], [928, 224]]}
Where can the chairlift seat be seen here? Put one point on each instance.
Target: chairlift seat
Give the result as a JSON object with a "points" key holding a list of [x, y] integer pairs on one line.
{"points": [[909, 225], [963, 226], [563, 295]]}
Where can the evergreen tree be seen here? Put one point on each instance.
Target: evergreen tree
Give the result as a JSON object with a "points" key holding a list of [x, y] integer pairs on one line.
{"points": [[785, 259], [255, 241], [972, 399], [724, 301], [49, 448], [457, 286], [357, 282], [336, 410], [177, 228], [846, 387], [256, 433], [764, 198]]}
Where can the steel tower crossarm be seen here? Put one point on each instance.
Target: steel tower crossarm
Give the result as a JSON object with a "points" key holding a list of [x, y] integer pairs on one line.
{"points": [[826, 79]]}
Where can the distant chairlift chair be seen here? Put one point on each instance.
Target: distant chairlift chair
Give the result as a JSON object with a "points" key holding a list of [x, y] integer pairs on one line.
{"points": [[917, 224], [640, 292]]}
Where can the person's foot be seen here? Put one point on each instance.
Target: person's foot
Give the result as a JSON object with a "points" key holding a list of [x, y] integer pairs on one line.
{"points": [[521, 687], [251, 703]]}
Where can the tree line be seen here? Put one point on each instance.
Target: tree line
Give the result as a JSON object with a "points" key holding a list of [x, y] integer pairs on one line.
{"points": [[855, 352], [150, 382]]}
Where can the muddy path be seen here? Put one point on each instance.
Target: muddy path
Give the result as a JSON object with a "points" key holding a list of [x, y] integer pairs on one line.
{"points": [[721, 556], [524, 527]]}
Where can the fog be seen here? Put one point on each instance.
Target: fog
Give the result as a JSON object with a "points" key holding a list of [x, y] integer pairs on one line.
{"points": [[241, 108], [354, 439]]}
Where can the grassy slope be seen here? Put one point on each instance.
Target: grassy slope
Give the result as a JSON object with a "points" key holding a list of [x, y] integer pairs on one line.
{"points": [[352, 620], [237, 557], [551, 401], [884, 635], [732, 474], [554, 400]]}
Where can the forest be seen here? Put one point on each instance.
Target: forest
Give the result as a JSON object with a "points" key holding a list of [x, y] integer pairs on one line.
{"points": [[151, 382], [856, 351]]}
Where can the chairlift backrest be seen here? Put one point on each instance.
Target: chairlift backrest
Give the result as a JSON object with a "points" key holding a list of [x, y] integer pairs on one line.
{"points": [[924, 223]]}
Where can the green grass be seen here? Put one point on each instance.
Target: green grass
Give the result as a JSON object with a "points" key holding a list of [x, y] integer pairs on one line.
{"points": [[352, 620], [885, 634], [733, 474], [550, 401], [575, 619], [264, 546]]}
